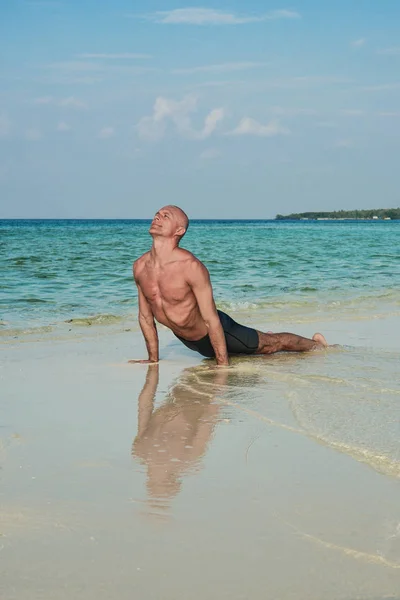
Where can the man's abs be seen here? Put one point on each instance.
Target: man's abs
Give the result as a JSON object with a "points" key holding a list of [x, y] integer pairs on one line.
{"points": [[183, 320]]}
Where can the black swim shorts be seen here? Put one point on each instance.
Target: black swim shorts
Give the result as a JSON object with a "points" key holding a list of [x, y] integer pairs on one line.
{"points": [[239, 339]]}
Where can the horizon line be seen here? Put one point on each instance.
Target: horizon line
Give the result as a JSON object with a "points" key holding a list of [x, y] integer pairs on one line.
{"points": [[120, 219]]}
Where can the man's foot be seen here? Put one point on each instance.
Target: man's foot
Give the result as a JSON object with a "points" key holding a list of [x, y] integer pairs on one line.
{"points": [[319, 338]]}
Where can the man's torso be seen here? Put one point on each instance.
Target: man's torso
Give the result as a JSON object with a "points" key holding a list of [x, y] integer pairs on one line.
{"points": [[169, 295]]}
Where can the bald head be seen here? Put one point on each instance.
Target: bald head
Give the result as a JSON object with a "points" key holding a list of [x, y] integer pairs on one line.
{"points": [[182, 220], [169, 222]]}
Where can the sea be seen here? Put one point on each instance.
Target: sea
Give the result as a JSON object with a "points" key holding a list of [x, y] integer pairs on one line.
{"points": [[80, 271]]}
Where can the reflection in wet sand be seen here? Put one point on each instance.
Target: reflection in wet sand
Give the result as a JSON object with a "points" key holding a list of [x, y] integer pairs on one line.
{"points": [[173, 438]]}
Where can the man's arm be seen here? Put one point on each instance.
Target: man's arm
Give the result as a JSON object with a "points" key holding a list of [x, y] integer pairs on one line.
{"points": [[146, 399], [199, 280], [148, 327]]}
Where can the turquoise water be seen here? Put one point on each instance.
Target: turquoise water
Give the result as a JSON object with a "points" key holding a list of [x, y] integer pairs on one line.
{"points": [[54, 271]]}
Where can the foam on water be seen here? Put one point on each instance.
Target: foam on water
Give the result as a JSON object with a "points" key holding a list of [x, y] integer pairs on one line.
{"points": [[340, 399], [95, 320]]}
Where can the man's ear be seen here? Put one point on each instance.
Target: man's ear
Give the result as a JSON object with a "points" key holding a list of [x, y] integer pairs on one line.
{"points": [[180, 231]]}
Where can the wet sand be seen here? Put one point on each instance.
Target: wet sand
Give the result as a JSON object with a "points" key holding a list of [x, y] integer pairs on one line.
{"points": [[278, 478]]}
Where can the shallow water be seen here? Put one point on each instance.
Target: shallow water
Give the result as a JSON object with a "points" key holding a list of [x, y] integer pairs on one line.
{"points": [[185, 481]]}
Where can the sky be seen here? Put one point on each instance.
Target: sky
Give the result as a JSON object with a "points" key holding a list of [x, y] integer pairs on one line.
{"points": [[228, 109]]}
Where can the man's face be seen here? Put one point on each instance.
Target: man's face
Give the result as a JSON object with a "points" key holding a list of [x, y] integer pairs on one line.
{"points": [[164, 223]]}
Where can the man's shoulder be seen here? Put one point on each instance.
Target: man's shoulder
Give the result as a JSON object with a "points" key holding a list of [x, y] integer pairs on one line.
{"points": [[139, 263], [189, 259], [191, 265]]}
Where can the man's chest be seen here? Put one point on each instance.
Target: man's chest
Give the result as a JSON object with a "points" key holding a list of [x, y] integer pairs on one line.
{"points": [[164, 285]]}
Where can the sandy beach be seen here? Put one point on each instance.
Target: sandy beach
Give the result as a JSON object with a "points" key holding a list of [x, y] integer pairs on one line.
{"points": [[181, 481]]}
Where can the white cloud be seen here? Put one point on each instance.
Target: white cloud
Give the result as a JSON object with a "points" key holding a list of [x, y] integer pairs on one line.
{"points": [[209, 16], [299, 82], [177, 112], [358, 43], [43, 3], [33, 134], [382, 87], [106, 133], [389, 114], [44, 100], [292, 112], [5, 126], [84, 71], [320, 79], [221, 68], [121, 56], [72, 102], [210, 123], [353, 112], [210, 154], [326, 124], [281, 14], [249, 126], [346, 143], [63, 126], [218, 83], [74, 66], [65, 79], [394, 51]]}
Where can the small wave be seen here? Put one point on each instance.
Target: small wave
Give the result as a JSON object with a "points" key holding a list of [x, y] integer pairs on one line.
{"points": [[31, 300], [21, 260], [77, 258], [16, 332], [45, 275], [237, 305], [309, 304], [95, 320]]}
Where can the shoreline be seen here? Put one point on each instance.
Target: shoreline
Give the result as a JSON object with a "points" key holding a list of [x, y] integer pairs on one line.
{"points": [[280, 312]]}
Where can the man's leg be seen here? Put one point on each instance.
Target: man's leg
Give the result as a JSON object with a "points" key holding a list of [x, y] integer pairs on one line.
{"points": [[288, 342]]}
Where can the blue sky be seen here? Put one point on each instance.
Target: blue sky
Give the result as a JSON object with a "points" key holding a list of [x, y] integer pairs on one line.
{"points": [[228, 109]]}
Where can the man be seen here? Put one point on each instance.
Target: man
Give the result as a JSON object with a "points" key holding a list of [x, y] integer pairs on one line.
{"points": [[174, 288]]}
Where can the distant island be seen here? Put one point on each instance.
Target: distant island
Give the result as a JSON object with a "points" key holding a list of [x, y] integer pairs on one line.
{"points": [[376, 214]]}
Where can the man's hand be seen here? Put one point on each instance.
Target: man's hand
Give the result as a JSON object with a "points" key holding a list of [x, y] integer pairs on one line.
{"points": [[143, 362]]}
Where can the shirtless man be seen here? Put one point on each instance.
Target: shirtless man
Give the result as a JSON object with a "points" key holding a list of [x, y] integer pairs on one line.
{"points": [[174, 288]]}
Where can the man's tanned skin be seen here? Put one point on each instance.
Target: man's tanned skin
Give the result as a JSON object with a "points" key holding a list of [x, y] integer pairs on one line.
{"points": [[174, 288]]}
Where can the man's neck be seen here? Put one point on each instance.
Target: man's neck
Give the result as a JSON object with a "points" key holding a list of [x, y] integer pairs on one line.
{"points": [[162, 249]]}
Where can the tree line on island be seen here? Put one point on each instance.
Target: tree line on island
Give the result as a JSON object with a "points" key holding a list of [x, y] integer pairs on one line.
{"points": [[378, 213]]}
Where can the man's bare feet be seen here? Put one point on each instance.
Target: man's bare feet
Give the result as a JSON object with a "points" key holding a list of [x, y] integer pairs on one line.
{"points": [[319, 338]]}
